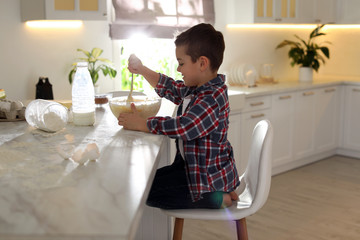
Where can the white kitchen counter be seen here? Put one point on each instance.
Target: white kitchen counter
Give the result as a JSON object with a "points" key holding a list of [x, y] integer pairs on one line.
{"points": [[43, 196], [284, 86]]}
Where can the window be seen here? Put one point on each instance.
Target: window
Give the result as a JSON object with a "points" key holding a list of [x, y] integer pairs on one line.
{"points": [[147, 27], [157, 54]]}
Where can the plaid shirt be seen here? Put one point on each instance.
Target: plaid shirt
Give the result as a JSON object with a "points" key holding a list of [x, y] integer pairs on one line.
{"points": [[209, 159]]}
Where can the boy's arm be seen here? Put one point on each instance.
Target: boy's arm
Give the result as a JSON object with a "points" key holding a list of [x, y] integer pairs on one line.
{"points": [[136, 66]]}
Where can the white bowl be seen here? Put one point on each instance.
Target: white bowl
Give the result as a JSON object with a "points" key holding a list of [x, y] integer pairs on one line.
{"points": [[146, 106]]}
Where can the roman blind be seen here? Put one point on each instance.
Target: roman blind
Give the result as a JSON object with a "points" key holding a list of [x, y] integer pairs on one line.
{"points": [[158, 18]]}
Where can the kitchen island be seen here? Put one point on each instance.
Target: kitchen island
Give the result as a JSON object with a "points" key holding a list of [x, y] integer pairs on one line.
{"points": [[44, 196]]}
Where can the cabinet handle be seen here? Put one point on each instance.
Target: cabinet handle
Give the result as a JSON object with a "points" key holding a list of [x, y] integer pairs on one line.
{"points": [[284, 97], [356, 89], [329, 90], [258, 115], [308, 93], [256, 104]]}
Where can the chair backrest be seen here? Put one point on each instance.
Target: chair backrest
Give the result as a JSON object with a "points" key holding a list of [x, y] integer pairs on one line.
{"points": [[257, 175]]}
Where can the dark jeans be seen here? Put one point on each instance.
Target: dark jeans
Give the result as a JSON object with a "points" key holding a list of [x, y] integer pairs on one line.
{"points": [[170, 190]]}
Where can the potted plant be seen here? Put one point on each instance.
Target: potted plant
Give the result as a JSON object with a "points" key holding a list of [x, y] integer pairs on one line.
{"points": [[307, 54], [93, 58]]}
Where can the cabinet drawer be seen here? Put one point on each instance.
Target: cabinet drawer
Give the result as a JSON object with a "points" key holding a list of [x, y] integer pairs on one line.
{"points": [[257, 103]]}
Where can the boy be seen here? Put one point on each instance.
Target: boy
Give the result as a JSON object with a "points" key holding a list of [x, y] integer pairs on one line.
{"points": [[203, 174]]}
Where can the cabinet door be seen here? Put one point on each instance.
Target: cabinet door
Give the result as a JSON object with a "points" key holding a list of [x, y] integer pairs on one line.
{"points": [[327, 119], [317, 11], [76, 9], [348, 11], [325, 11], [248, 122], [351, 136], [282, 119], [304, 128], [276, 11]]}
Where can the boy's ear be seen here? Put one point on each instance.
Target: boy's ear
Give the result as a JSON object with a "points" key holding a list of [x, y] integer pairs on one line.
{"points": [[204, 63]]}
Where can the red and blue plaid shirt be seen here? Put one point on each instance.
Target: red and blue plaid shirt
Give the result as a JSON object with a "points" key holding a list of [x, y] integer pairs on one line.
{"points": [[203, 127]]}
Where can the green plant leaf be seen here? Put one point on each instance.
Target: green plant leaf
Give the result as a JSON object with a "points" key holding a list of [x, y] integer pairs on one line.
{"points": [[71, 75], [315, 32], [315, 65], [84, 51], [286, 43], [96, 52], [325, 51], [303, 41]]}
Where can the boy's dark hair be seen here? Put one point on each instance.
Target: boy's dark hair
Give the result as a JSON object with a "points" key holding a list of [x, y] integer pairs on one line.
{"points": [[203, 40]]}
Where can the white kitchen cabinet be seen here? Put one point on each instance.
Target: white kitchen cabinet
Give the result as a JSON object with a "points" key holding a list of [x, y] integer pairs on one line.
{"points": [[351, 133], [63, 10], [282, 119], [327, 119], [348, 11], [317, 11], [260, 11], [276, 11], [304, 125], [256, 109]]}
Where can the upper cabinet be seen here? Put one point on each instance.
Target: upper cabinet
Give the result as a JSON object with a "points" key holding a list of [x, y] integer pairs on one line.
{"points": [[288, 11], [276, 11], [348, 12], [317, 11], [63, 10], [260, 11]]}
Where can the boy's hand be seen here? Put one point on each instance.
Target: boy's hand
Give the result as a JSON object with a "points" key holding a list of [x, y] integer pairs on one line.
{"points": [[133, 121], [135, 65]]}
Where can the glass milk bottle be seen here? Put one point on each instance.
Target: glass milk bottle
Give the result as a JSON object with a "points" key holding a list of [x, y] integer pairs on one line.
{"points": [[83, 96]]}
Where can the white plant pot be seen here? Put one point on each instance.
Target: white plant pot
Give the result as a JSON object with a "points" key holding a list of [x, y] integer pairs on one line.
{"points": [[305, 74]]}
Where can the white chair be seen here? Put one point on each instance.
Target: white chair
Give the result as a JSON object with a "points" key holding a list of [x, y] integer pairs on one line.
{"points": [[255, 181]]}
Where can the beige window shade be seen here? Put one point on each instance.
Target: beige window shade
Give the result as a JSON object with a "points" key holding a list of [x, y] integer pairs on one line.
{"points": [[159, 18]]}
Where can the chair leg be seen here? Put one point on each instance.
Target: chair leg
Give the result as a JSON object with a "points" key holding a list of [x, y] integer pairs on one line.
{"points": [[241, 229], [178, 228]]}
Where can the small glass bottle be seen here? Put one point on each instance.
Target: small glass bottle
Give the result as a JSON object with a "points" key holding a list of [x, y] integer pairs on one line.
{"points": [[83, 96]]}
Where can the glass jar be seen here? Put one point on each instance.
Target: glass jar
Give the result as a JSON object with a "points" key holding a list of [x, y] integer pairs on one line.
{"points": [[46, 115]]}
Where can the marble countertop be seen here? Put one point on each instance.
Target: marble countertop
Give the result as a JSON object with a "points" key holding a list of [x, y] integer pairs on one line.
{"points": [[286, 86], [44, 196]]}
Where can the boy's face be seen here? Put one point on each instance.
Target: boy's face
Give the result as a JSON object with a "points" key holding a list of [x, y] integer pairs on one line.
{"points": [[187, 67]]}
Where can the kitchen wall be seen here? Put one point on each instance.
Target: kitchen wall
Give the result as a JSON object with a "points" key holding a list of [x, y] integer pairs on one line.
{"points": [[28, 53]]}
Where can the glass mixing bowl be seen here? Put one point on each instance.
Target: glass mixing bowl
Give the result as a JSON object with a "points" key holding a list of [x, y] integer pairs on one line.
{"points": [[146, 106]]}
